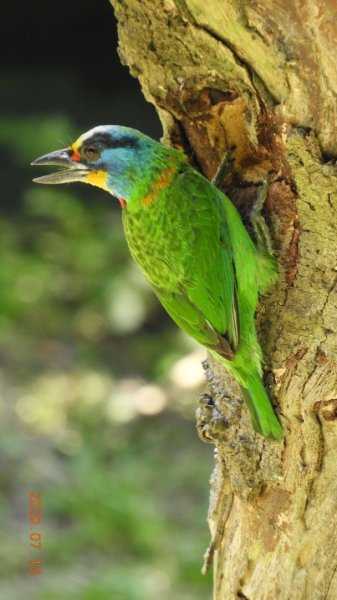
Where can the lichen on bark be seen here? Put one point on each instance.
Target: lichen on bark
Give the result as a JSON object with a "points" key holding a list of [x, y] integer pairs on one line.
{"points": [[258, 79]]}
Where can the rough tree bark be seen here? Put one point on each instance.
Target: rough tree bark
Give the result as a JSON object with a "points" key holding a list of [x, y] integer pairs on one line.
{"points": [[259, 78]]}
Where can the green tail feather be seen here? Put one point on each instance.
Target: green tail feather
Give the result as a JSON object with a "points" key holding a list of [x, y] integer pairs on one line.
{"points": [[261, 411], [262, 414]]}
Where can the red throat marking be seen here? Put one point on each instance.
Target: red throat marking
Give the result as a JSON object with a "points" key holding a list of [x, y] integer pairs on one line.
{"points": [[122, 202]]}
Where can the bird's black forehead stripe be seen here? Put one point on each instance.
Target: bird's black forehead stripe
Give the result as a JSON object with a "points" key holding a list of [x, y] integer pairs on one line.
{"points": [[111, 142]]}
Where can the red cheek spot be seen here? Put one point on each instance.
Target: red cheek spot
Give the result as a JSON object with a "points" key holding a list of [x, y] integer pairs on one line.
{"points": [[122, 202], [75, 156]]}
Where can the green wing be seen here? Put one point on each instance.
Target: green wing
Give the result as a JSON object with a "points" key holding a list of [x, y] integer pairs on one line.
{"points": [[204, 299]]}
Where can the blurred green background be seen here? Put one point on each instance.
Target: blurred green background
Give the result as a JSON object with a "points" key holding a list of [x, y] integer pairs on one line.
{"points": [[98, 387]]}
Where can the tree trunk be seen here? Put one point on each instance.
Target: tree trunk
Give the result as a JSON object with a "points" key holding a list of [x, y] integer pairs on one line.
{"points": [[259, 79]]}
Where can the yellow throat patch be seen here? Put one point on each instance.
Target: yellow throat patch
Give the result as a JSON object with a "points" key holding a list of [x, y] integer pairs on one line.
{"points": [[98, 178]]}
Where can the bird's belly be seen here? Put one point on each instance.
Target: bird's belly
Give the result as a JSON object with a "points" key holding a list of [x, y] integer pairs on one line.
{"points": [[159, 246]]}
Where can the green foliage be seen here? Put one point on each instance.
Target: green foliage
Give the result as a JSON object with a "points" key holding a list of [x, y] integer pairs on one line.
{"points": [[90, 414]]}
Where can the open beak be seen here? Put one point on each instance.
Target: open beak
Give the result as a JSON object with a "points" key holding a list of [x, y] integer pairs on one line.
{"points": [[73, 171]]}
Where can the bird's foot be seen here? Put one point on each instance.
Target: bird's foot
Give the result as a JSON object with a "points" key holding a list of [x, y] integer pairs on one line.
{"points": [[209, 421], [258, 222], [217, 179]]}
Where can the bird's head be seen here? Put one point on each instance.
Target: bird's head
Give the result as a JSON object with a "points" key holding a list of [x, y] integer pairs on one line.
{"points": [[118, 159]]}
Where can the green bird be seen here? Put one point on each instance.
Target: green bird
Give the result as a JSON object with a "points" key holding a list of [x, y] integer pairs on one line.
{"points": [[190, 243]]}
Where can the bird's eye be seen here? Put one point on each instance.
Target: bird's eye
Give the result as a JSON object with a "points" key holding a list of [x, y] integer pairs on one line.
{"points": [[91, 152]]}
